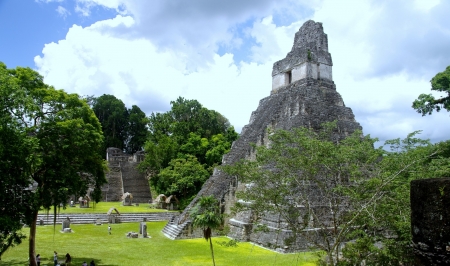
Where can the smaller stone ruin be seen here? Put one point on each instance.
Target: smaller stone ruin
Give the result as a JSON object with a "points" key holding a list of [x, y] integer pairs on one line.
{"points": [[430, 221], [66, 226], [132, 235], [113, 217], [172, 203], [84, 201], [127, 199], [168, 203], [160, 201]]}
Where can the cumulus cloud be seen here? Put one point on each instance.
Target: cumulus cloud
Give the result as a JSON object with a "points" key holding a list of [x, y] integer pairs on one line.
{"points": [[153, 52], [397, 36], [192, 28], [138, 73]]}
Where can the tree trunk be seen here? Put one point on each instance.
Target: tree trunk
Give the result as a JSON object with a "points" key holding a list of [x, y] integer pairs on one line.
{"points": [[212, 251], [32, 241]]}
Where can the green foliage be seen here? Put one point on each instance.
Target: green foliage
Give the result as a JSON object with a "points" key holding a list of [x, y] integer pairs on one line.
{"points": [[137, 130], [366, 189], [387, 221], [57, 137], [182, 177], [16, 149], [206, 215], [188, 130], [113, 116], [219, 146], [301, 162], [229, 243], [427, 103], [123, 128]]}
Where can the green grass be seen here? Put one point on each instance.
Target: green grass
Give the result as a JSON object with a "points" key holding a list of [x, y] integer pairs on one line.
{"points": [[93, 242], [103, 207]]}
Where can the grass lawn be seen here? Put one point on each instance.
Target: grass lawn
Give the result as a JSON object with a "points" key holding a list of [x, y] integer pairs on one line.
{"points": [[103, 207], [93, 242]]}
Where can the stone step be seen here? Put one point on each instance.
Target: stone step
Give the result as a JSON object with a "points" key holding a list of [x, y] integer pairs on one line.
{"points": [[172, 231], [92, 218]]}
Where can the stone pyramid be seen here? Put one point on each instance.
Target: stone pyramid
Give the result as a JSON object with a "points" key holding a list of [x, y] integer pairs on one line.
{"points": [[303, 95]]}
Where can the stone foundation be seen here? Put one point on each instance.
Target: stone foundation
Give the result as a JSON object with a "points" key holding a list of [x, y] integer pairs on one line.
{"points": [[430, 221]]}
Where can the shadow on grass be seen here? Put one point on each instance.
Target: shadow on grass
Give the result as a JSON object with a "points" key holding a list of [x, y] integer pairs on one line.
{"points": [[79, 261], [75, 262], [15, 262]]}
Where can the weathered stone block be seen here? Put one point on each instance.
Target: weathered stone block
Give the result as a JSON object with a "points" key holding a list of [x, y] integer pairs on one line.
{"points": [[430, 220]]}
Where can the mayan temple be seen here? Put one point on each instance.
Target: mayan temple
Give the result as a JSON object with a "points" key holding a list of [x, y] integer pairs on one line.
{"points": [[124, 176], [303, 95]]}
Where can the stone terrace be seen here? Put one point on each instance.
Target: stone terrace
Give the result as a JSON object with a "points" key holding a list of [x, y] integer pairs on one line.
{"points": [[92, 218]]}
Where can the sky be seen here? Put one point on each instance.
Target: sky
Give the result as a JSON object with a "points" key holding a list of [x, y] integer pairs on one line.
{"points": [[221, 53]]}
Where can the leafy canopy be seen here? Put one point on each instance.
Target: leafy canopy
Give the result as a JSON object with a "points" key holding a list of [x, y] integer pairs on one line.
{"points": [[343, 187], [188, 131], [57, 137], [427, 103], [123, 128]]}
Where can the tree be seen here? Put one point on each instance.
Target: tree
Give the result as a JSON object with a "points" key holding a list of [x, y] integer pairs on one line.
{"points": [[113, 116], [187, 130], [206, 215], [137, 130], [183, 177], [388, 221], [16, 150], [427, 103], [312, 179], [63, 135]]}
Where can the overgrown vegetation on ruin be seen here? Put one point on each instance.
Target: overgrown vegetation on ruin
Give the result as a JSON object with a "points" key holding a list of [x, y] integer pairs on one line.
{"points": [[330, 191]]}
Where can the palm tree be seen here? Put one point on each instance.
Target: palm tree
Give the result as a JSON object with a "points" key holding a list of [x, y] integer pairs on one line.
{"points": [[206, 215]]}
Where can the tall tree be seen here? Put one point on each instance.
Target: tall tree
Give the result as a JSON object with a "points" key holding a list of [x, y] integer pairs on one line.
{"points": [[65, 136], [206, 215], [113, 116], [137, 130], [427, 103], [16, 150]]}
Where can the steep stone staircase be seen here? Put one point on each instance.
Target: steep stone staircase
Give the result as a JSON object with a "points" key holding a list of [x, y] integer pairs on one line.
{"points": [[113, 190], [172, 230], [135, 183]]}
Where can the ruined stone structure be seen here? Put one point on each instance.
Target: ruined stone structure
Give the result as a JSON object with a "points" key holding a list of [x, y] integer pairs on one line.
{"points": [[303, 95], [430, 221], [125, 177]]}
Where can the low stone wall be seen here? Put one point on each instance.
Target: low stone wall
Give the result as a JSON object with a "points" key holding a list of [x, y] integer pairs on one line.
{"points": [[430, 221]]}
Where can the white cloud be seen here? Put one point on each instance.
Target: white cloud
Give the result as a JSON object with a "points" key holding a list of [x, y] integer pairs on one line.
{"points": [[62, 11], [161, 50], [89, 61], [84, 7]]}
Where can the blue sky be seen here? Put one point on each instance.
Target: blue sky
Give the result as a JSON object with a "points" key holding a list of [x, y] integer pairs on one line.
{"points": [[221, 52], [26, 25]]}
